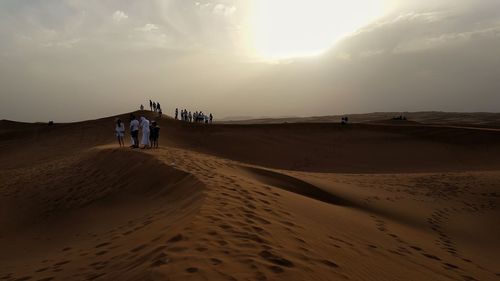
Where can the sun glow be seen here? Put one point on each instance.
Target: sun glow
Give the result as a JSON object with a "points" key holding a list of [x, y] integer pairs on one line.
{"points": [[295, 28]]}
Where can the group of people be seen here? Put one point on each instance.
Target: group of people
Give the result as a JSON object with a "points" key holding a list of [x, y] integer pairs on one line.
{"points": [[150, 132], [196, 117], [399, 118], [153, 106]]}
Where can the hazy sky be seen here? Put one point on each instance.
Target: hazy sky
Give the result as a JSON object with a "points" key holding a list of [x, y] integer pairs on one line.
{"points": [[69, 60]]}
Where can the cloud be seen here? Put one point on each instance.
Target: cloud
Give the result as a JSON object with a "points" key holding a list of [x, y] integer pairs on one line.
{"points": [[224, 10], [119, 16], [427, 44], [149, 36], [149, 27], [69, 43], [370, 53]]}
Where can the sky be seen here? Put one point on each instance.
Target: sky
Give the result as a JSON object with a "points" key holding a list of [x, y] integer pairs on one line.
{"points": [[69, 60]]}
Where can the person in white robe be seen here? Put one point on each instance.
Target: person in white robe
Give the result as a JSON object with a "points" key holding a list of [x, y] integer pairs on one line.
{"points": [[145, 132]]}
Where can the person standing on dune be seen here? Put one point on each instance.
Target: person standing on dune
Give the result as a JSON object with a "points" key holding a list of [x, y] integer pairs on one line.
{"points": [[154, 134], [151, 105], [176, 113], [134, 131], [145, 132], [120, 132]]}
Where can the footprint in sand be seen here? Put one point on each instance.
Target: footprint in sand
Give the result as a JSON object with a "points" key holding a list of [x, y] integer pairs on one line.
{"points": [[40, 270], [330, 263], [139, 248], [192, 269], [276, 259], [215, 261], [176, 238], [178, 249], [450, 266], [276, 269], [102, 245], [431, 256], [61, 263]]}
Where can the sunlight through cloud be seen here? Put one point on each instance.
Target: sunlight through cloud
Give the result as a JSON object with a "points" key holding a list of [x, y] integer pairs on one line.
{"points": [[295, 28]]}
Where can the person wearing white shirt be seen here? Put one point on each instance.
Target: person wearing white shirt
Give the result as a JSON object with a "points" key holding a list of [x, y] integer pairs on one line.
{"points": [[120, 132], [134, 132]]}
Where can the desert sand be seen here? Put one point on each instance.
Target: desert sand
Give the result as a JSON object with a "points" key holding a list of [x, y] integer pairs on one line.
{"points": [[301, 201]]}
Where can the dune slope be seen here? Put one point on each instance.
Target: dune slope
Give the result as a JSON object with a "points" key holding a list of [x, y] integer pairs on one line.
{"points": [[259, 202]]}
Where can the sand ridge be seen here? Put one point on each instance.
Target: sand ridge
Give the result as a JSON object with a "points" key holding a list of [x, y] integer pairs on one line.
{"points": [[201, 208]]}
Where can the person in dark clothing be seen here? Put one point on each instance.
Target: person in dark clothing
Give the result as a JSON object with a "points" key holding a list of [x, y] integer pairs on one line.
{"points": [[154, 135], [151, 105], [176, 113]]}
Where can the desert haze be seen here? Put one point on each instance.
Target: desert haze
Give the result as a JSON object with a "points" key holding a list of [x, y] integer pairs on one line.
{"points": [[233, 140], [395, 200]]}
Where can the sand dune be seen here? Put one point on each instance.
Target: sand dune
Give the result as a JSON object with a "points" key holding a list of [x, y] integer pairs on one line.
{"points": [[359, 148], [250, 202], [477, 119]]}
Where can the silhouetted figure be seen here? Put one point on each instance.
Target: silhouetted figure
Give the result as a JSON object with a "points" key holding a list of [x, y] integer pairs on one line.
{"points": [[154, 106], [190, 117], [400, 117], [141, 107], [176, 113], [150, 105], [134, 131], [211, 118], [158, 106], [154, 134], [120, 132]]}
